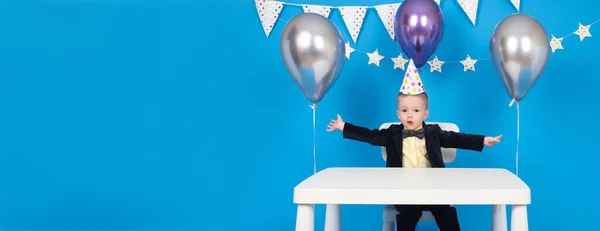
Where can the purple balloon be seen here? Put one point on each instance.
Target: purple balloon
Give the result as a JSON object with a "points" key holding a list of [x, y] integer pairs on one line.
{"points": [[419, 26]]}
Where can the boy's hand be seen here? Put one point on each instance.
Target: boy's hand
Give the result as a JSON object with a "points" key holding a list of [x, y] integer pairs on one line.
{"points": [[489, 141], [337, 124]]}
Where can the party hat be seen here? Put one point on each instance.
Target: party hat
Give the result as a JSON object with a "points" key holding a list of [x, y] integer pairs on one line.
{"points": [[412, 85]]}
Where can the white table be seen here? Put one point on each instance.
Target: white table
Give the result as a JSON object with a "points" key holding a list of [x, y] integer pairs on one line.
{"points": [[397, 186]]}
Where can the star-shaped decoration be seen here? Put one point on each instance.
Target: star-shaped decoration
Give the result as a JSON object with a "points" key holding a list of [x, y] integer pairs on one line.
{"points": [[374, 57], [468, 63], [583, 31], [436, 65], [399, 62], [556, 43], [349, 50]]}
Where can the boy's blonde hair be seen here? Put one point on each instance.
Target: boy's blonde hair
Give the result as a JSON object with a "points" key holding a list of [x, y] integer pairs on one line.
{"points": [[422, 96]]}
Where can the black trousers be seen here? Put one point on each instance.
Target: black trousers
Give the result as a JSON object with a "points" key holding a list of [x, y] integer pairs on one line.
{"points": [[446, 217]]}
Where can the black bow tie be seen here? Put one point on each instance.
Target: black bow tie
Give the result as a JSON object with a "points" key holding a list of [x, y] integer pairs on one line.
{"points": [[418, 133]]}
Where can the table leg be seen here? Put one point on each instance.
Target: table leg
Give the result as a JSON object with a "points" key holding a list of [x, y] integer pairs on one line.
{"points": [[519, 218], [333, 218], [499, 222], [305, 217]]}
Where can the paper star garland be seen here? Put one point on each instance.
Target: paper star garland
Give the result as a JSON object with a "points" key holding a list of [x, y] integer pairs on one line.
{"points": [[349, 50], [583, 31], [399, 62], [556, 43], [374, 57], [436, 65], [468, 63]]}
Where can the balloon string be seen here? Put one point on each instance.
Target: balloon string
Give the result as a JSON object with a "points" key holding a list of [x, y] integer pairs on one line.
{"points": [[518, 134], [314, 107]]}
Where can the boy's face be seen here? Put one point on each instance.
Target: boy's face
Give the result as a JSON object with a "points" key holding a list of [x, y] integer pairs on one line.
{"points": [[412, 111]]}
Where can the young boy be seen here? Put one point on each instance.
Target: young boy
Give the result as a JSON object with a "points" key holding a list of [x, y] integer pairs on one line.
{"points": [[415, 144]]}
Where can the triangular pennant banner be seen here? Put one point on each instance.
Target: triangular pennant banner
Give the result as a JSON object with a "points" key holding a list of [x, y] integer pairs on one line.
{"points": [[387, 13], [268, 11], [438, 1], [353, 17], [470, 8], [318, 9], [516, 3]]}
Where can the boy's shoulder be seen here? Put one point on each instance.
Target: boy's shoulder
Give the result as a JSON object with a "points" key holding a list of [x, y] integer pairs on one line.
{"points": [[395, 128], [427, 125], [431, 128]]}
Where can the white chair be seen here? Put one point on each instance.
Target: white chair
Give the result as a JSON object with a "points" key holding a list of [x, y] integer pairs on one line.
{"points": [[448, 154]]}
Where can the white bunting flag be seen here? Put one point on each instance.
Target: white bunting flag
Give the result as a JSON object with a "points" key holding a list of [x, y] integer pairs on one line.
{"points": [[470, 8], [437, 1], [268, 11], [318, 9], [353, 17], [387, 14], [516, 3]]}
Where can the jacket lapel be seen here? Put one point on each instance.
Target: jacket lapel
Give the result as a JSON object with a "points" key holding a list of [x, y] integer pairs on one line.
{"points": [[399, 141], [429, 131]]}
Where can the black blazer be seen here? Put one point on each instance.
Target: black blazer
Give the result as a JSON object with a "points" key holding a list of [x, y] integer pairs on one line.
{"points": [[435, 139]]}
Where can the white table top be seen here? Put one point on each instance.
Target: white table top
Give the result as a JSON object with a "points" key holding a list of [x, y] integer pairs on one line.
{"points": [[412, 186]]}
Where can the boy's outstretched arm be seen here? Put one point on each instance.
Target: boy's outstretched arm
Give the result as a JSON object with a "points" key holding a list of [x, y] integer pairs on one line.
{"points": [[350, 131], [450, 139]]}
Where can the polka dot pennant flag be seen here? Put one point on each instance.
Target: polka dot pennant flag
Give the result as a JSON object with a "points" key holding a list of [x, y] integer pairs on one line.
{"points": [[516, 3], [268, 12], [470, 8], [353, 16], [412, 85], [387, 13], [317, 9]]}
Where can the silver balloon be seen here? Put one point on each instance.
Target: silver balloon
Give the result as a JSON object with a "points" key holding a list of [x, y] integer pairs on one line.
{"points": [[519, 51], [313, 51]]}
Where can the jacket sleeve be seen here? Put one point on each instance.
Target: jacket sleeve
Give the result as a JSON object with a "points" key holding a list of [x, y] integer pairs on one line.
{"points": [[450, 139], [377, 137]]}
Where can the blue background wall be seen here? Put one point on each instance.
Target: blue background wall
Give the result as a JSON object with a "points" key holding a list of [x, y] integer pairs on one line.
{"points": [[179, 115]]}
